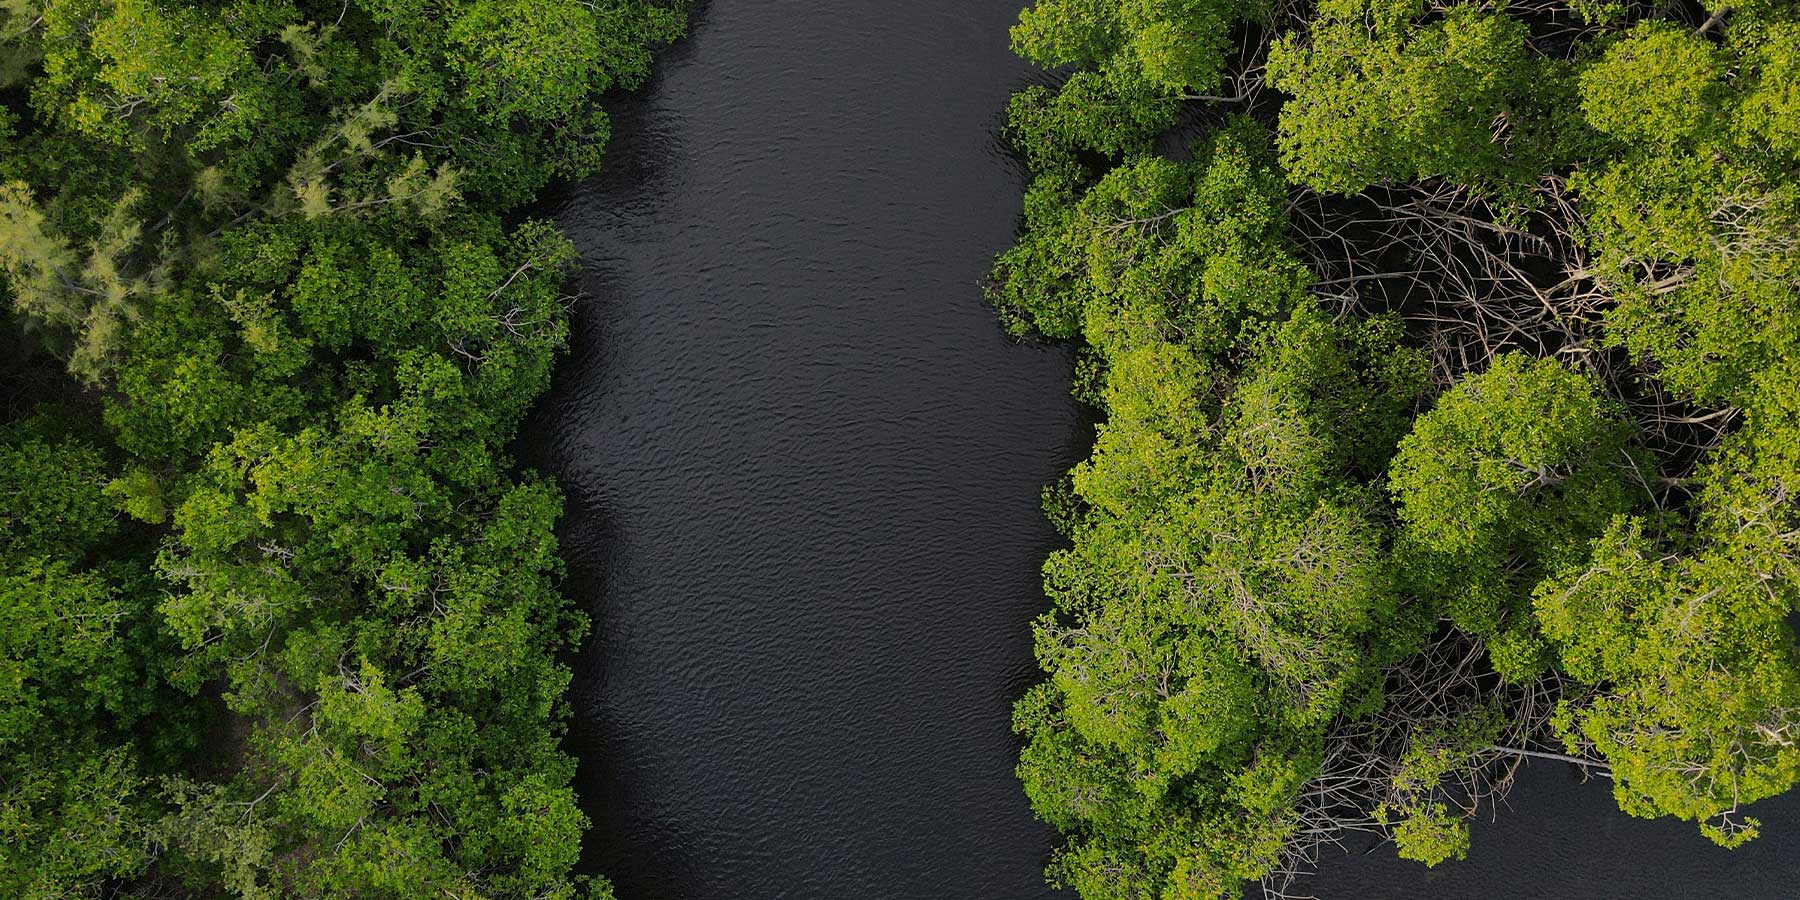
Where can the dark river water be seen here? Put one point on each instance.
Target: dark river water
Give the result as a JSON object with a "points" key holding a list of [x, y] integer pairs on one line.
{"points": [[803, 468]]}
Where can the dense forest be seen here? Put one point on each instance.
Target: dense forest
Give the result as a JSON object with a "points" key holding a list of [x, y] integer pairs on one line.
{"points": [[1446, 353], [278, 613]]}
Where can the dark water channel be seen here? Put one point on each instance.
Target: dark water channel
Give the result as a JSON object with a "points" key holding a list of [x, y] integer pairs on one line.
{"points": [[803, 467]]}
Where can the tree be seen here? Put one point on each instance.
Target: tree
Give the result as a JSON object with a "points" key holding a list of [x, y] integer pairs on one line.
{"points": [[1227, 596], [1697, 676], [280, 612], [1380, 93], [73, 675], [1508, 477]]}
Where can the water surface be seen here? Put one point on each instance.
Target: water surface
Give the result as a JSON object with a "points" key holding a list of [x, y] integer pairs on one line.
{"points": [[803, 464]]}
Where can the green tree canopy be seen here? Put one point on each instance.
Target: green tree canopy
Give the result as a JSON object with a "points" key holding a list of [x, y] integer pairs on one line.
{"points": [[1511, 476], [278, 614]]}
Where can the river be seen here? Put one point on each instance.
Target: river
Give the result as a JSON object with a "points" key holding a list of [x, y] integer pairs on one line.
{"points": [[803, 467]]}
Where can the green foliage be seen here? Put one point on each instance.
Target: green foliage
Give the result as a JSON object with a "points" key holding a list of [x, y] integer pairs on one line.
{"points": [[1693, 223], [1220, 605], [56, 505], [1172, 45], [1381, 93], [72, 673], [1425, 829], [1137, 60], [1284, 522], [159, 126], [278, 616], [1682, 622], [52, 284], [1661, 84], [1700, 673], [1508, 476], [368, 561], [542, 60], [1769, 110], [1432, 835]]}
